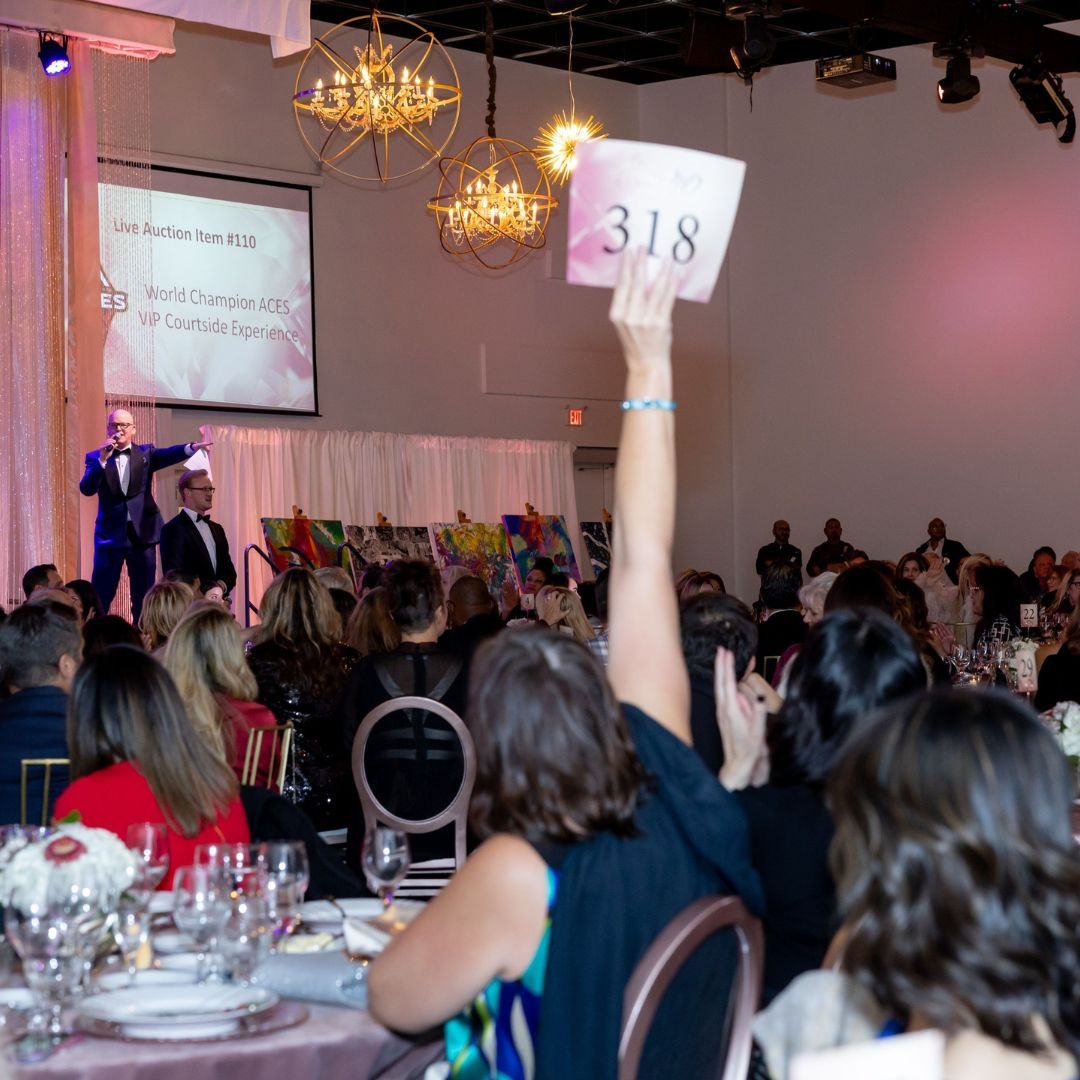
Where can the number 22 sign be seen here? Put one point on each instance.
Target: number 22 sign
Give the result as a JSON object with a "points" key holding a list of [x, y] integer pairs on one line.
{"points": [[674, 202]]}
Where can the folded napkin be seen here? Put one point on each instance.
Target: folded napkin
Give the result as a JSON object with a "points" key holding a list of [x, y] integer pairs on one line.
{"points": [[328, 977], [306, 943], [363, 938]]}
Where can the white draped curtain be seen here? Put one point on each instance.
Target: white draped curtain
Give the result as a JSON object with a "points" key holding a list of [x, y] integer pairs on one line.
{"points": [[350, 476]]}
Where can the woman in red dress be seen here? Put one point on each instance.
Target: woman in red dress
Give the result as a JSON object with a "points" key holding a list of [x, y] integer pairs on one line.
{"points": [[133, 759]]}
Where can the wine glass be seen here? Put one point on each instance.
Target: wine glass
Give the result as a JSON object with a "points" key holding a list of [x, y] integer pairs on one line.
{"points": [[245, 938], [961, 659], [150, 842], [46, 941], [287, 857], [385, 859], [131, 925], [200, 906]]}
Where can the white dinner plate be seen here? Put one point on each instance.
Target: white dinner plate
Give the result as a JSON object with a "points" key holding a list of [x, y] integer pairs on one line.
{"points": [[177, 1006], [162, 903], [118, 980], [171, 941], [322, 915], [180, 961]]}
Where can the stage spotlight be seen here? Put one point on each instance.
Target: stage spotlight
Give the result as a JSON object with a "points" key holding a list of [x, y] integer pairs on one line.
{"points": [[53, 54], [959, 85], [1041, 92], [757, 46]]}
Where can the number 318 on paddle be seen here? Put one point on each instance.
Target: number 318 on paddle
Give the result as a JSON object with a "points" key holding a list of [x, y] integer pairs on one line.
{"points": [[667, 234]]}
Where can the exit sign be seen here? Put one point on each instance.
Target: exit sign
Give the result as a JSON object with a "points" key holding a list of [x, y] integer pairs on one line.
{"points": [[575, 416]]}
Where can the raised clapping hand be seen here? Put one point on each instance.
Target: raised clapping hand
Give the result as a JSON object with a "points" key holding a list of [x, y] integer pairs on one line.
{"points": [[641, 313], [742, 729]]}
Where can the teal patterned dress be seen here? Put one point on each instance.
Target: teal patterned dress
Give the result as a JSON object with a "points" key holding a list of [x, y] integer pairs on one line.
{"points": [[495, 1038]]}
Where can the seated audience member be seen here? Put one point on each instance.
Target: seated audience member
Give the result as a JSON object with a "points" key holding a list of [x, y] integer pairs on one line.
{"points": [[371, 631], [344, 604], [413, 762], [911, 565], [40, 650], [782, 622], [996, 596], [88, 598], [205, 657], [134, 758], [965, 580], [574, 791], [61, 595], [951, 552], [108, 630], [472, 616], [511, 605], [691, 582], [707, 622], [1059, 675], [959, 891], [45, 576], [851, 663], [833, 554], [1068, 593], [163, 607], [1053, 584], [812, 598], [942, 596], [1033, 581], [336, 577], [374, 577], [562, 610], [301, 666]]}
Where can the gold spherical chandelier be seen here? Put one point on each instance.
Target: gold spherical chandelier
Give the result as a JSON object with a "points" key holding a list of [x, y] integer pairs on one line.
{"points": [[373, 109], [494, 198]]}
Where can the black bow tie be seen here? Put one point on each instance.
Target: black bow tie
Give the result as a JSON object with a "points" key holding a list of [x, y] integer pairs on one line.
{"points": [[126, 450], [203, 517]]}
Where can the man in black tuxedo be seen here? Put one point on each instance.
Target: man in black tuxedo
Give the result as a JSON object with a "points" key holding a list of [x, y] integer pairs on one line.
{"points": [[191, 542], [120, 473]]}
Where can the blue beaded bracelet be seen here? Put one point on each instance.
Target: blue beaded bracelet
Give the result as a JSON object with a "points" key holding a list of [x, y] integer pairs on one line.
{"points": [[665, 404]]}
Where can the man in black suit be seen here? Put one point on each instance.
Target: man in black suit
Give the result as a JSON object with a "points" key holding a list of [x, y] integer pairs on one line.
{"points": [[191, 542], [120, 473], [952, 552], [781, 623]]}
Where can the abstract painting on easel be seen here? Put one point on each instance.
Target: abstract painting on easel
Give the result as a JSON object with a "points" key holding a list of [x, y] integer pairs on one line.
{"points": [[481, 548], [302, 541], [538, 534]]}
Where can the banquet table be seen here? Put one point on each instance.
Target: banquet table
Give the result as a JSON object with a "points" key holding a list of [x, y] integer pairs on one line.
{"points": [[334, 1043]]}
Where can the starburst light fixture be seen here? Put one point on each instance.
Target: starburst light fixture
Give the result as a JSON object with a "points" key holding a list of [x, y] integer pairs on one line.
{"points": [[355, 91], [494, 198], [559, 139]]}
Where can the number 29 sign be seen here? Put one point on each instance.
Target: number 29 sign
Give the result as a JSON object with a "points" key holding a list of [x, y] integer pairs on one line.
{"points": [[676, 203]]}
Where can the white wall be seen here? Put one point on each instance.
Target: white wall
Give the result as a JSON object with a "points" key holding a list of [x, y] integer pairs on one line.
{"points": [[893, 336]]}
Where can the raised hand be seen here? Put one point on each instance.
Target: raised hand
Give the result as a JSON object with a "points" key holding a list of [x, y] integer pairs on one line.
{"points": [[205, 443], [641, 313]]}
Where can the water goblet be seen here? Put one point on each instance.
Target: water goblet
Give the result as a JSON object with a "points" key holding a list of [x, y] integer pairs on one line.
{"points": [[283, 905], [200, 907], [385, 860], [150, 842], [245, 938], [287, 857]]}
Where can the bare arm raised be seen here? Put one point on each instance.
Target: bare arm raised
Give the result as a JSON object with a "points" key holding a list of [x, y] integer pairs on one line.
{"points": [[646, 666]]}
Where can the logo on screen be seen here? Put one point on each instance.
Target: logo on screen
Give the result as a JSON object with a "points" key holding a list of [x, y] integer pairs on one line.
{"points": [[112, 300]]}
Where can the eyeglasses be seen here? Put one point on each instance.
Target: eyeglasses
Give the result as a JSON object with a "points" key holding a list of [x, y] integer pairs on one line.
{"points": [[210, 490], [1074, 584], [112, 426]]}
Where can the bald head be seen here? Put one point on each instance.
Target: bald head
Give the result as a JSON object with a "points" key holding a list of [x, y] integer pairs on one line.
{"points": [[469, 596]]}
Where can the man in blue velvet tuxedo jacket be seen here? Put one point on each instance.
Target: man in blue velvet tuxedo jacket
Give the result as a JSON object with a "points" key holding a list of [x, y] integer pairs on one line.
{"points": [[120, 473]]}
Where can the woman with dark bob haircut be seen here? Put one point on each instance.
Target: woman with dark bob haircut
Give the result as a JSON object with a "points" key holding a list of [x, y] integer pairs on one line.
{"points": [[851, 663], [136, 757], [600, 821], [996, 596], [959, 883]]}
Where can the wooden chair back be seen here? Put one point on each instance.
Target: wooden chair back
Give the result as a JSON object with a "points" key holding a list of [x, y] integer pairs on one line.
{"points": [[47, 765], [280, 743], [673, 947]]}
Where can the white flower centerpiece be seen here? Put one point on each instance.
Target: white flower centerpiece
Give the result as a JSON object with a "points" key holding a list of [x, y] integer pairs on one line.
{"points": [[1064, 719], [1020, 661], [73, 856]]}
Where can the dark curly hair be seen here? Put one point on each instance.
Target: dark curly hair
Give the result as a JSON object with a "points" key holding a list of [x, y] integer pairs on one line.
{"points": [[414, 592], [712, 619], [851, 663], [554, 760], [959, 883]]}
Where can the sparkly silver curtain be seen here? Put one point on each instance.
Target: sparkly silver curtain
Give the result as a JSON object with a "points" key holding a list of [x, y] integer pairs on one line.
{"points": [[122, 85], [36, 505]]}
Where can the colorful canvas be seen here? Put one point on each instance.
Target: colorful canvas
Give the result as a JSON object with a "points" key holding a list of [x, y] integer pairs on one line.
{"points": [[597, 545], [541, 535], [482, 549], [301, 541], [382, 544]]}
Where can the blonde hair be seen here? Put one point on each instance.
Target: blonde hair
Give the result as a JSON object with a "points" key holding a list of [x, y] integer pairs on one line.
{"points": [[371, 629], [163, 607], [205, 657], [559, 606], [297, 611]]}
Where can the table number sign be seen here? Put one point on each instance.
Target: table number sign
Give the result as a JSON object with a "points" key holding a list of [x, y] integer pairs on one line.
{"points": [[674, 202], [1029, 615]]}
